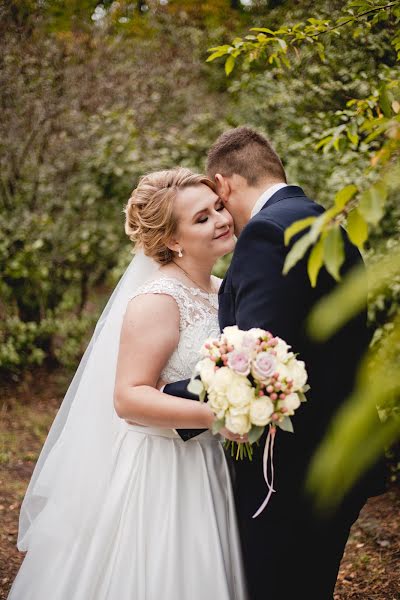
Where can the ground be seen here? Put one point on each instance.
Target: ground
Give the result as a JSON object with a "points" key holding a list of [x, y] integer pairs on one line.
{"points": [[370, 568]]}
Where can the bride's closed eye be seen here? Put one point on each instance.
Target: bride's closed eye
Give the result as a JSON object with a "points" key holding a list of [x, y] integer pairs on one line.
{"points": [[219, 208]]}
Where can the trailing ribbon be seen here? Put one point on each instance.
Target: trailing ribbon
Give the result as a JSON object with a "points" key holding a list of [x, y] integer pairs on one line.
{"points": [[268, 455]]}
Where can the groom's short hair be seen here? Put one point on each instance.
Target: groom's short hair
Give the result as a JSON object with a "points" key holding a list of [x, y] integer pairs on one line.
{"points": [[245, 152]]}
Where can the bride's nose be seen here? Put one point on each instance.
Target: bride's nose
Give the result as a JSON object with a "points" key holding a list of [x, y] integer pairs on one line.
{"points": [[223, 220]]}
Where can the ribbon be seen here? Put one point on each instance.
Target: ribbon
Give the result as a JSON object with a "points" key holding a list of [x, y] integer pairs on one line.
{"points": [[268, 455]]}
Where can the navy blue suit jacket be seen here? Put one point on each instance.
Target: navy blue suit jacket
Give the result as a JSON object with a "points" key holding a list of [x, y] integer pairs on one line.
{"points": [[255, 293]]}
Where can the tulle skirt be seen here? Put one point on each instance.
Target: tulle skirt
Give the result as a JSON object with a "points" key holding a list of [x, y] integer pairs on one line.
{"points": [[166, 530]]}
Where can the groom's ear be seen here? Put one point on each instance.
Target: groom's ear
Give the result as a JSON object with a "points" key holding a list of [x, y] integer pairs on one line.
{"points": [[223, 187]]}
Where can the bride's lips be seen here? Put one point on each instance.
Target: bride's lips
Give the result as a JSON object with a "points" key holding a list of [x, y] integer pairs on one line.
{"points": [[223, 235]]}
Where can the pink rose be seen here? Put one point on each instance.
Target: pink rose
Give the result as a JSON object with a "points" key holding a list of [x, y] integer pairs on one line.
{"points": [[264, 366], [239, 362]]}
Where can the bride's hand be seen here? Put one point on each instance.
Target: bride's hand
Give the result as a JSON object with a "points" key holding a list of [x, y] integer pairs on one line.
{"points": [[233, 437]]}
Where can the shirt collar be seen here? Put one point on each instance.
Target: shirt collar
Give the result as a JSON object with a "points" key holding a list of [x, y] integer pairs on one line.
{"points": [[265, 196]]}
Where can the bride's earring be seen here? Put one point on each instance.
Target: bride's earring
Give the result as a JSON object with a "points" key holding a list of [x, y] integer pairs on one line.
{"points": [[180, 253]]}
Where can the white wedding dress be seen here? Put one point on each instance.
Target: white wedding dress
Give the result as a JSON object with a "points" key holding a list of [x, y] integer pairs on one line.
{"points": [[166, 527]]}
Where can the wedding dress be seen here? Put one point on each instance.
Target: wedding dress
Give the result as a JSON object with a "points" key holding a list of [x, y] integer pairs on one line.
{"points": [[165, 527]]}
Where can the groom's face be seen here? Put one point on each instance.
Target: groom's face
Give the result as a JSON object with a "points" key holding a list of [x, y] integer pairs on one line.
{"points": [[233, 191]]}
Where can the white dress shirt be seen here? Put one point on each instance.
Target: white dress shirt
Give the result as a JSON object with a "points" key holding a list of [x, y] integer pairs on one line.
{"points": [[265, 196]]}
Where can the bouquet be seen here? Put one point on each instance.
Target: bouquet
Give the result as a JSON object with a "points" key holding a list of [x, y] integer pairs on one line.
{"points": [[252, 381]]}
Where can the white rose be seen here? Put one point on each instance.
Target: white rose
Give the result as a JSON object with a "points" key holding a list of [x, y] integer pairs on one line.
{"points": [[297, 373], [261, 411], [206, 370], [218, 404], [290, 403], [282, 370], [282, 350], [256, 332], [223, 378], [240, 393], [234, 336], [237, 423]]}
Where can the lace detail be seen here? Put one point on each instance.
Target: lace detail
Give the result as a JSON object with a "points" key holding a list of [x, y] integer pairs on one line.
{"points": [[198, 313]]}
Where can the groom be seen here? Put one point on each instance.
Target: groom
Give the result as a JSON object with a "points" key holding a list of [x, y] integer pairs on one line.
{"points": [[290, 551]]}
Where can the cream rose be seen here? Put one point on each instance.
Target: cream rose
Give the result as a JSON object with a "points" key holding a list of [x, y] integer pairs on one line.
{"points": [[261, 411], [223, 378], [290, 403], [206, 370], [237, 423], [234, 336], [297, 372], [240, 392], [282, 350], [218, 403], [282, 370], [256, 332]]}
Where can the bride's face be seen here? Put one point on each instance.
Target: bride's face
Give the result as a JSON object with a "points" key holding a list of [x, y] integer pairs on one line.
{"points": [[205, 227]]}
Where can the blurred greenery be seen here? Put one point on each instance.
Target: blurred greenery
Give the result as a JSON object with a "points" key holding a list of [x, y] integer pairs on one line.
{"points": [[95, 94]]}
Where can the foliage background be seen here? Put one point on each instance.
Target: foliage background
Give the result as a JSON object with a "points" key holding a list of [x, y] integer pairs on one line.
{"points": [[93, 95]]}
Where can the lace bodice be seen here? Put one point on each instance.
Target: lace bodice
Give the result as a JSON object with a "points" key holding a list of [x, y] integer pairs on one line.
{"points": [[198, 320]]}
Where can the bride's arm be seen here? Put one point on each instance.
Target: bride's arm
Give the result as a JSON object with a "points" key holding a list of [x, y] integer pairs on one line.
{"points": [[149, 335]]}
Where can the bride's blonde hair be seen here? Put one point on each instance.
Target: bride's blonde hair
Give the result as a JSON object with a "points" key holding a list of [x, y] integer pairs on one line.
{"points": [[150, 219]]}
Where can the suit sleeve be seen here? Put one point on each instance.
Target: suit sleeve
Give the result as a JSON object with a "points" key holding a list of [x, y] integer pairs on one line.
{"points": [[179, 388], [263, 296]]}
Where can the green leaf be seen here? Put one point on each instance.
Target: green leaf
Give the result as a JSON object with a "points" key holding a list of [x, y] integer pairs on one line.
{"points": [[384, 101], [282, 44], [217, 426], [333, 252], [286, 425], [297, 252], [262, 30], [215, 55], [315, 261], [372, 202], [357, 228], [229, 64], [302, 397], [296, 227], [344, 195], [255, 433], [353, 137]]}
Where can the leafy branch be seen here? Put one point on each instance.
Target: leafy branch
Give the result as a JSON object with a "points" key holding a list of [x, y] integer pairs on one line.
{"points": [[274, 44]]}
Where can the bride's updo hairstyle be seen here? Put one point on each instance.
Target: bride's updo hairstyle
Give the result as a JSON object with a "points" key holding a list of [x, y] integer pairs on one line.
{"points": [[150, 219]]}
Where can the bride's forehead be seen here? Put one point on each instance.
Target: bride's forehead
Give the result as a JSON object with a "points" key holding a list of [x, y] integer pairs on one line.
{"points": [[195, 198]]}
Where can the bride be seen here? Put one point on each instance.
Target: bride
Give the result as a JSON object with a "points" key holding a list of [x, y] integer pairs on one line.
{"points": [[119, 507]]}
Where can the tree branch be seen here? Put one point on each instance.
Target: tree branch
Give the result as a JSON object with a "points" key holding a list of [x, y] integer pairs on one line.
{"points": [[356, 18]]}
